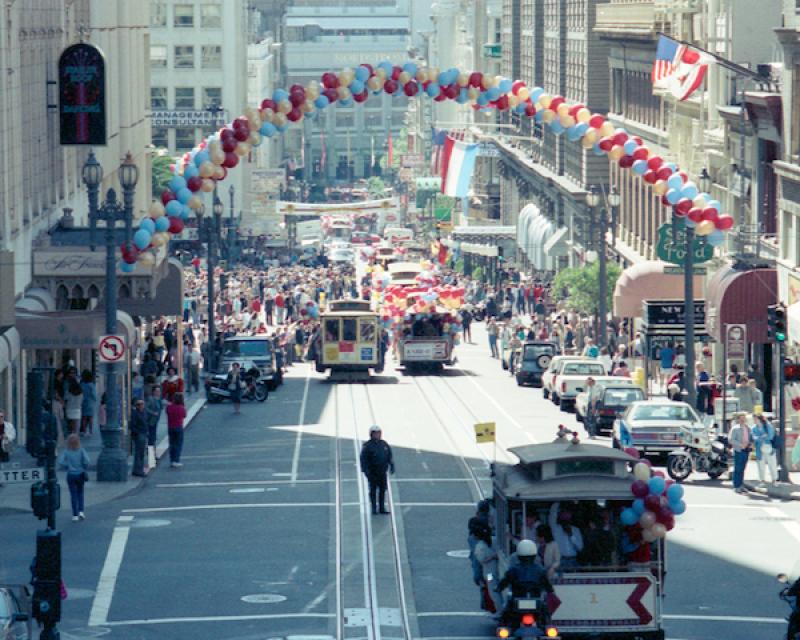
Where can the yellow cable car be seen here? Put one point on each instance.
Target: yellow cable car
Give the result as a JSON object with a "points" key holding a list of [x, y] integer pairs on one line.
{"points": [[350, 338]]}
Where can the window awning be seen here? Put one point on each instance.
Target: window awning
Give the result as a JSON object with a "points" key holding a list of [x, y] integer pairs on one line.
{"points": [[741, 297], [9, 347], [557, 244], [69, 329], [168, 300], [36, 299], [647, 281]]}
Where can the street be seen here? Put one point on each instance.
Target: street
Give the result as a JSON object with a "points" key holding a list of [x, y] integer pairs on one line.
{"points": [[266, 532]]}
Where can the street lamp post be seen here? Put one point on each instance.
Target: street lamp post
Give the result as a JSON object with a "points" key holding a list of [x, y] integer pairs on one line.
{"points": [[208, 230], [593, 200], [613, 201], [112, 463], [231, 229]]}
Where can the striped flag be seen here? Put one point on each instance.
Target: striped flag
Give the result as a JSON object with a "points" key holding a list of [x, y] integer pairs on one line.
{"points": [[458, 164], [679, 68]]}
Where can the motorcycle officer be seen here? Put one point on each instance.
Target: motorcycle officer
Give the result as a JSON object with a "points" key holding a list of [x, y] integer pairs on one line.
{"points": [[376, 459], [527, 579]]}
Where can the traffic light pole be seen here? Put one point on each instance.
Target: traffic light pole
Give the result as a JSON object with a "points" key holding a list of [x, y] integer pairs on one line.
{"points": [[783, 469]]}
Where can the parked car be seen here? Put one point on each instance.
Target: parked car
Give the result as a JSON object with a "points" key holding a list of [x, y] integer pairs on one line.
{"points": [[536, 357], [654, 426], [613, 398], [548, 377], [571, 380], [15, 613], [259, 350]]}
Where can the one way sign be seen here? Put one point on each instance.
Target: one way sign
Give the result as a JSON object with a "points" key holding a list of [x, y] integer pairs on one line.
{"points": [[111, 349]]}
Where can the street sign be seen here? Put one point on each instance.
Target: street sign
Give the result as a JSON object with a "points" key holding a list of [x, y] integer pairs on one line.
{"points": [[671, 246], [698, 271], [12, 474], [111, 349], [82, 95], [484, 432], [736, 341]]}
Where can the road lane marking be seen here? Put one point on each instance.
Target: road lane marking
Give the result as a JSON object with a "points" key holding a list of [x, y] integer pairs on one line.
{"points": [[238, 483], [435, 504], [266, 616], [242, 505], [453, 614], [791, 525], [503, 411], [669, 616], [101, 604], [300, 421]]}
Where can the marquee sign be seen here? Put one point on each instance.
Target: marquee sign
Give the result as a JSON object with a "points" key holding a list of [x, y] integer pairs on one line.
{"points": [[82, 95]]}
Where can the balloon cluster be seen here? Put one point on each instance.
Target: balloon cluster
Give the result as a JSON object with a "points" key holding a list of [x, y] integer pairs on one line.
{"points": [[310, 310], [656, 501]]}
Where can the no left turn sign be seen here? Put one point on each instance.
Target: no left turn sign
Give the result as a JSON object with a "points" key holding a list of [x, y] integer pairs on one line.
{"points": [[111, 348]]}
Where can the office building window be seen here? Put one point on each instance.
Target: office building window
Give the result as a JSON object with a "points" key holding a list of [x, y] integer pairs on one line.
{"points": [[210, 16], [212, 57], [184, 15], [184, 138], [158, 97], [160, 137], [344, 119], [158, 14], [184, 97], [212, 97], [184, 57], [373, 120], [158, 56]]}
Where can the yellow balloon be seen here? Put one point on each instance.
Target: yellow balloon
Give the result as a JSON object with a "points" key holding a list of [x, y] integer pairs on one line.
{"points": [[524, 93], [279, 120], [567, 121], [545, 101], [375, 83], [473, 93], [242, 149], [208, 184], [253, 117], [607, 129], [206, 169], [591, 136], [699, 202], [156, 209], [159, 240], [548, 116], [307, 106], [214, 146], [583, 115], [513, 100], [147, 259], [616, 152], [704, 228], [284, 106], [486, 81], [343, 93], [380, 72], [433, 74], [218, 157], [312, 90], [462, 80], [267, 115], [219, 174], [195, 203], [422, 74], [660, 187], [254, 138], [563, 109], [586, 143], [404, 77]]}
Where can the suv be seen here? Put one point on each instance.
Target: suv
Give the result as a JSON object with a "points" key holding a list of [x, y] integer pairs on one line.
{"points": [[536, 357], [260, 350]]}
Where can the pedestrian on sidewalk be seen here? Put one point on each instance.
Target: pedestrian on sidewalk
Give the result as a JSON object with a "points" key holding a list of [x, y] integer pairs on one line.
{"points": [[376, 460], [194, 369], [8, 436], [138, 428], [466, 323], [89, 402], [153, 408], [765, 439], [73, 398], [740, 439], [172, 384], [76, 462], [176, 415], [493, 331]]}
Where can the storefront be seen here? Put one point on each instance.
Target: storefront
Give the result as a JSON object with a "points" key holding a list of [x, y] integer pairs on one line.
{"points": [[539, 241], [650, 280]]}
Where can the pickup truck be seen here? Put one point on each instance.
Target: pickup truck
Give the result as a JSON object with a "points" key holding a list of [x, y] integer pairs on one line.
{"points": [[548, 377], [613, 398], [571, 380]]}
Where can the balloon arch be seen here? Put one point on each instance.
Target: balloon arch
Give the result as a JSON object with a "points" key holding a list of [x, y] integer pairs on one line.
{"points": [[207, 164]]}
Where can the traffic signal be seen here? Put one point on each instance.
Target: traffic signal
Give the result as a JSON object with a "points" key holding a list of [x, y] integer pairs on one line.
{"points": [[776, 322], [791, 372], [43, 499], [46, 580], [500, 254]]}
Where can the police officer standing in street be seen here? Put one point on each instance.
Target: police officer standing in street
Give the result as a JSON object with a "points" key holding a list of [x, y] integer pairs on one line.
{"points": [[376, 461]]}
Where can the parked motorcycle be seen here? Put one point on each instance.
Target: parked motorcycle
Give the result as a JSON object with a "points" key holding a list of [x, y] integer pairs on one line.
{"points": [[256, 388], [789, 595], [525, 618], [703, 451]]}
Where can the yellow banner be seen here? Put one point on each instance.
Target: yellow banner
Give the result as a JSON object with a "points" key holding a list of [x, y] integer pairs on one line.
{"points": [[484, 432]]}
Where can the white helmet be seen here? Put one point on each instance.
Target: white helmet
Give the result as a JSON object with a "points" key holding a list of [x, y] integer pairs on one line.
{"points": [[526, 549], [374, 429]]}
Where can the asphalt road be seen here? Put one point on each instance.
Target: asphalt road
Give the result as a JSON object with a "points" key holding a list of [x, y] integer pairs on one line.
{"points": [[264, 533]]}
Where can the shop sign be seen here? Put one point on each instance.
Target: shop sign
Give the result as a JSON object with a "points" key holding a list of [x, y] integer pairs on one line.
{"points": [[412, 161], [672, 313], [80, 263], [736, 341], [187, 118], [82, 95], [671, 245], [488, 150]]}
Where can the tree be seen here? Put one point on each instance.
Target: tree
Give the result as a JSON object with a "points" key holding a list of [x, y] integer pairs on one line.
{"points": [[376, 187], [161, 174], [582, 285]]}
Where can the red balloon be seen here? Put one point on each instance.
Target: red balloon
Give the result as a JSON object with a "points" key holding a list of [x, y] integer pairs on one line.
{"points": [[633, 452], [684, 176], [167, 196], [175, 224], [396, 71], [556, 102], [229, 144], [297, 98], [683, 207], [573, 110], [518, 84], [655, 163], [329, 80], [296, 87], [241, 135], [641, 153], [130, 258], [664, 173], [640, 489], [226, 134], [530, 110], [361, 97], [331, 95], [653, 503], [390, 86], [710, 213], [231, 160], [502, 103], [626, 162], [606, 144], [130, 252], [650, 176], [441, 97], [658, 474], [411, 88], [638, 140], [294, 115], [695, 214], [452, 91], [724, 222], [596, 121], [241, 123], [266, 103], [475, 79], [665, 202], [663, 514], [224, 173], [194, 183], [620, 138]]}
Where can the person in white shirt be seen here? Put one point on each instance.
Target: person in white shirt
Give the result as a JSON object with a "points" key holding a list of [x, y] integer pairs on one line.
{"points": [[567, 536]]}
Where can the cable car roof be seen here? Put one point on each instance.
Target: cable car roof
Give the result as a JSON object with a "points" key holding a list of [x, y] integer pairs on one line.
{"points": [[516, 483], [560, 451]]}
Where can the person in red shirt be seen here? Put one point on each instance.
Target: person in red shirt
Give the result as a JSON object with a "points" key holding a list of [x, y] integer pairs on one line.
{"points": [[280, 305], [171, 385], [176, 415]]}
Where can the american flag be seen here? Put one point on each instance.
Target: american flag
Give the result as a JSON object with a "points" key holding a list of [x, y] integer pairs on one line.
{"points": [[679, 68], [663, 66]]}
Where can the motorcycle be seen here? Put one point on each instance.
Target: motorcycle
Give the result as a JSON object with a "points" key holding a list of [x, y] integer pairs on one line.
{"points": [[787, 595], [703, 451], [256, 388], [525, 618]]}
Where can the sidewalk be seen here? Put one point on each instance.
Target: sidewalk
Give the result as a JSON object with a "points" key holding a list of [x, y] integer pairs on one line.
{"points": [[16, 498], [779, 490]]}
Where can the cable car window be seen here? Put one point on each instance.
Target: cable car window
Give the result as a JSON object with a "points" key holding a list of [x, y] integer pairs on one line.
{"points": [[349, 330], [332, 331], [588, 467], [367, 331]]}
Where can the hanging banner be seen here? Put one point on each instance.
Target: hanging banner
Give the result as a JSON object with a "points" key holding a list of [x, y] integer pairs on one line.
{"points": [[82, 96]]}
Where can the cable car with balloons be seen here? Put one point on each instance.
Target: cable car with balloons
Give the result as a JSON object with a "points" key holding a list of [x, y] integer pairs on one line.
{"points": [[350, 339], [612, 509]]}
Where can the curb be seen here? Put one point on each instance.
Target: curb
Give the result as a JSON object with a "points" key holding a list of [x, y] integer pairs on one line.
{"points": [[781, 491], [163, 446]]}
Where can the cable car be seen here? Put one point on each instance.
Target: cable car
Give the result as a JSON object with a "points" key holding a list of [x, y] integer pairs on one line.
{"points": [[350, 338]]}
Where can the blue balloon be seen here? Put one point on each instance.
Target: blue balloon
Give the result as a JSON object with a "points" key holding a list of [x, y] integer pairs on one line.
{"points": [[361, 73], [268, 129], [176, 184], [442, 78], [493, 93], [279, 95], [463, 96], [673, 195], [630, 146], [184, 195], [201, 157], [186, 214], [706, 196], [346, 103], [409, 67], [714, 204], [142, 239], [535, 94], [629, 517], [595, 149], [656, 485], [689, 223], [505, 85], [433, 89], [638, 506], [191, 171], [320, 102], [675, 182], [482, 100], [174, 208], [639, 167], [520, 108], [674, 493], [148, 225], [690, 191], [716, 238], [573, 133], [671, 166], [283, 127], [678, 507], [162, 223], [386, 66], [127, 268], [556, 127], [356, 86]]}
